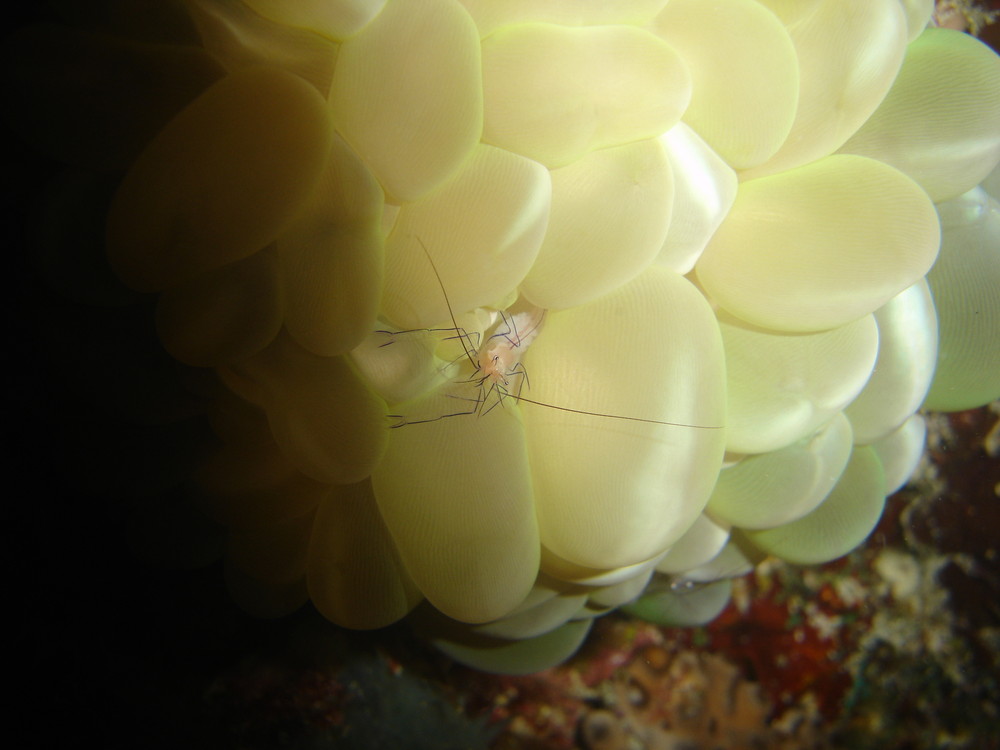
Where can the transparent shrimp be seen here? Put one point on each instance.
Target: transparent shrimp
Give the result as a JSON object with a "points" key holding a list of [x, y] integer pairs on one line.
{"points": [[495, 367], [498, 360]]}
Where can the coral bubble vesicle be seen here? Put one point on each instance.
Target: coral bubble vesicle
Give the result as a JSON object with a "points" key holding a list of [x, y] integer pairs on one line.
{"points": [[354, 573], [336, 20], [407, 94], [518, 309], [940, 122], [782, 387], [457, 499], [490, 15], [819, 246], [964, 285], [613, 492], [617, 197], [470, 242], [199, 197], [551, 95], [331, 258], [907, 353], [849, 52], [321, 413], [743, 70], [839, 524], [780, 486], [225, 315], [704, 191]]}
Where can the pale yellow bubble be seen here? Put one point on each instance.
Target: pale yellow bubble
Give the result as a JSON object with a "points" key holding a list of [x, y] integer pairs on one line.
{"points": [[502, 655], [791, 12], [773, 488], [457, 499], [331, 258], [839, 524], [470, 243], [407, 94], [490, 15], [612, 492], [322, 415], [353, 570], [401, 366], [334, 19], [821, 245], [744, 72], [221, 181], [849, 52], [541, 617], [552, 93], [683, 609], [918, 15], [237, 421], [991, 184], [907, 355], [940, 122], [573, 574], [735, 559], [901, 451], [782, 387], [704, 191], [609, 219], [964, 284], [700, 543], [238, 37], [620, 593]]}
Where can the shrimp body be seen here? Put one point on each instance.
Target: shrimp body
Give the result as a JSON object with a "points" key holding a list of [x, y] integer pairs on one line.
{"points": [[499, 357], [482, 382], [492, 365]]}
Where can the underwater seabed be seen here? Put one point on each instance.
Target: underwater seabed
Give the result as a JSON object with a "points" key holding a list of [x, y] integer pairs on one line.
{"points": [[894, 646]]}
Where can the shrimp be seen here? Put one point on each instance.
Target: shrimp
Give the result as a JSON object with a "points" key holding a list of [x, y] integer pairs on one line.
{"points": [[497, 372], [498, 361]]}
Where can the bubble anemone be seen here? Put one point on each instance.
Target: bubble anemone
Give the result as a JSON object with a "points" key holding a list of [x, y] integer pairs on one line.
{"points": [[726, 218]]}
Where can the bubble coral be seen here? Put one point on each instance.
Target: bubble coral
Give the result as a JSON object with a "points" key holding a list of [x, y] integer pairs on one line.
{"points": [[720, 217]]}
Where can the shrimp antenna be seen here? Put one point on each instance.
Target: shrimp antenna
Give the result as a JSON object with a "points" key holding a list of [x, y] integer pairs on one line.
{"points": [[454, 321], [519, 397]]}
